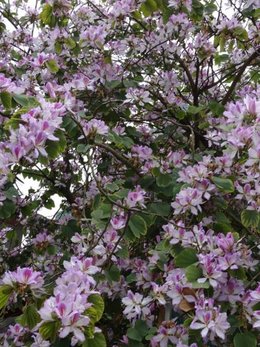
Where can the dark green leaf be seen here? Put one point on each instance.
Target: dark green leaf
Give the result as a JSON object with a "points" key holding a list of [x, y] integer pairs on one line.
{"points": [[224, 184], [137, 225], [49, 330], [98, 341], [186, 257], [30, 317], [250, 218], [160, 208], [193, 272], [163, 180], [245, 340]]}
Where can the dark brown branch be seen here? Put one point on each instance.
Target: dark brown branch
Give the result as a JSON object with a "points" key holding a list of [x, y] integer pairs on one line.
{"points": [[238, 77]]}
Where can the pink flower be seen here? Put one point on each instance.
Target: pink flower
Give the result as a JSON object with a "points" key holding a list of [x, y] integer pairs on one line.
{"points": [[136, 305], [25, 277], [210, 321], [135, 197], [95, 126], [188, 199], [118, 222]]}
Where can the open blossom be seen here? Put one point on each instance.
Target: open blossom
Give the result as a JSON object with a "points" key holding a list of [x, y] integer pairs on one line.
{"points": [[254, 156], [188, 199], [176, 3], [256, 317], [118, 222], [211, 270], [135, 197], [136, 305], [170, 332], [15, 334], [70, 300], [39, 341], [178, 234], [24, 278], [142, 152], [95, 126], [210, 321]]}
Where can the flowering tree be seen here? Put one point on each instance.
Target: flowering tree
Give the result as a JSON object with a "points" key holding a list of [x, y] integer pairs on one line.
{"points": [[144, 117]]}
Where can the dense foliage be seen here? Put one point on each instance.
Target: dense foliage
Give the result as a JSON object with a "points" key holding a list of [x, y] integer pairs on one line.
{"points": [[144, 117]]}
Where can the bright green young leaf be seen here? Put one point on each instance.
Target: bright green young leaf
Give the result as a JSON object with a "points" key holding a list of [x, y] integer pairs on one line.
{"points": [[52, 66], [6, 99], [97, 304], [148, 7], [47, 16], [5, 292]]}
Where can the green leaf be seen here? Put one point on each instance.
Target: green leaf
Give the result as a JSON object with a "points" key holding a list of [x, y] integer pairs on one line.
{"points": [[70, 43], [58, 47], [186, 257], [97, 304], [46, 15], [195, 109], [133, 334], [137, 225], [224, 184], [102, 212], [160, 208], [55, 148], [6, 99], [5, 293], [250, 218], [52, 66], [210, 8], [30, 317], [113, 274], [7, 209], [163, 180], [98, 341], [82, 148], [204, 285], [11, 192], [240, 33], [131, 278], [215, 107], [25, 101], [139, 331], [148, 7], [113, 84], [193, 272], [49, 330], [245, 340]]}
